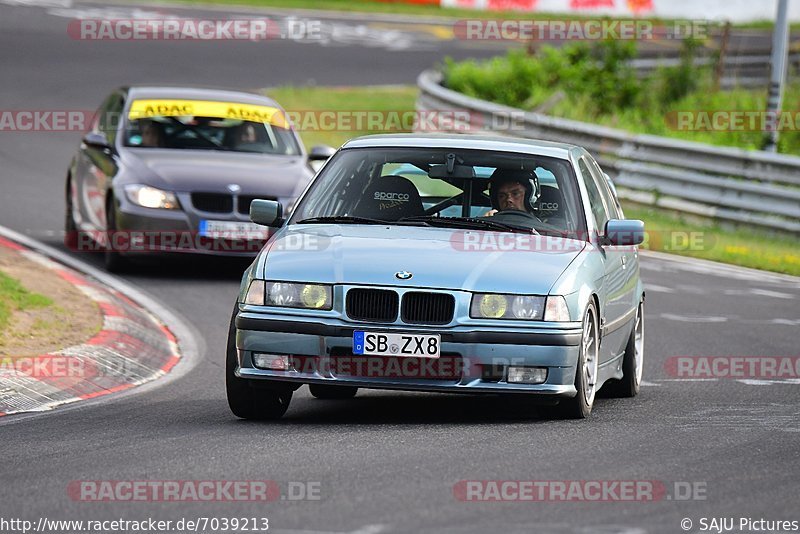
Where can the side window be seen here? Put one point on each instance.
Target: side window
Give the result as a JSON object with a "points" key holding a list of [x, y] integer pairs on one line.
{"points": [[596, 200], [615, 210], [110, 117]]}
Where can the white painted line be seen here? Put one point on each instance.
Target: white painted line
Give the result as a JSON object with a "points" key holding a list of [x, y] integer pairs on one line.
{"points": [[761, 382], [658, 289], [687, 380], [693, 319], [772, 294], [720, 269], [785, 322]]}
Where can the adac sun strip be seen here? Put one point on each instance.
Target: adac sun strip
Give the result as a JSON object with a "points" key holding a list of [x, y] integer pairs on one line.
{"points": [[142, 109]]}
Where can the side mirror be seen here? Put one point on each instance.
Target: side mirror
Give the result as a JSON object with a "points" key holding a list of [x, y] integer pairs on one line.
{"points": [[266, 212], [96, 140], [624, 233], [321, 152]]}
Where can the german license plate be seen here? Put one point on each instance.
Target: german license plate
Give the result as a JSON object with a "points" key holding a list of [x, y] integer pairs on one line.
{"points": [[393, 344], [232, 230]]}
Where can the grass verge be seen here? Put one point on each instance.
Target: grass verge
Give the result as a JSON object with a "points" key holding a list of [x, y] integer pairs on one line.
{"points": [[308, 103], [673, 233], [14, 297], [669, 232]]}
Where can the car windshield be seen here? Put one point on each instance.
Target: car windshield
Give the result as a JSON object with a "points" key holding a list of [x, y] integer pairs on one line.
{"points": [[440, 187], [198, 125]]}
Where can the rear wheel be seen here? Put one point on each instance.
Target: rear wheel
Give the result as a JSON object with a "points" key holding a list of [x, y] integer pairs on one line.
{"points": [[246, 398], [332, 392], [632, 362], [580, 406]]}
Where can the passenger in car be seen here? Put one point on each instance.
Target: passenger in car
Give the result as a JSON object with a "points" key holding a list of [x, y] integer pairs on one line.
{"points": [[152, 134]]}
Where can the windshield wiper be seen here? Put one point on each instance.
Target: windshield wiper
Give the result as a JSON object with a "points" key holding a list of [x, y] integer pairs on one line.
{"points": [[347, 219], [469, 222]]}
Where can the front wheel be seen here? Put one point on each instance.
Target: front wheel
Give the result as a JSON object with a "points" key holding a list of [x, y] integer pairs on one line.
{"points": [[580, 406], [114, 260], [245, 399], [70, 228]]}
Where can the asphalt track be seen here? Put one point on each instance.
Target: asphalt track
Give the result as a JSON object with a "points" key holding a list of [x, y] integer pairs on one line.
{"points": [[385, 461]]}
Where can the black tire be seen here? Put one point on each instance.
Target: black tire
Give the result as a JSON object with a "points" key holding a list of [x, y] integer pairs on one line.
{"points": [[580, 406], [115, 262], [247, 399], [632, 362], [332, 392], [70, 228]]}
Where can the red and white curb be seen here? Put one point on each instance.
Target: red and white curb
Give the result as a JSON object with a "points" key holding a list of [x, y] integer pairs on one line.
{"points": [[132, 348]]}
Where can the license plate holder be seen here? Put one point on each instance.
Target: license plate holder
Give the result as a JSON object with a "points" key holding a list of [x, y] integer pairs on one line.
{"points": [[400, 344], [232, 230]]}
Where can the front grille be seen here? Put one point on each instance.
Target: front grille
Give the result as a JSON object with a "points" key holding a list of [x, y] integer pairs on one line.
{"points": [[428, 308], [373, 305], [245, 200], [213, 202]]}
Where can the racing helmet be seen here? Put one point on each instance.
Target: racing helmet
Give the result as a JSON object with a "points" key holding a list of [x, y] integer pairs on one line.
{"points": [[526, 178]]}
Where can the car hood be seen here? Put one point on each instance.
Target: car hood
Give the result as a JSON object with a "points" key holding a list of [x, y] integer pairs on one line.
{"points": [[214, 171], [437, 258]]}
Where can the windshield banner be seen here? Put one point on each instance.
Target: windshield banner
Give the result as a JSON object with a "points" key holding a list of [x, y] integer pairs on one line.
{"points": [[142, 109]]}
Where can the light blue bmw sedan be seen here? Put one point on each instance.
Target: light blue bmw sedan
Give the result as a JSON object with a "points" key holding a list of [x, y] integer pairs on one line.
{"points": [[443, 263]]}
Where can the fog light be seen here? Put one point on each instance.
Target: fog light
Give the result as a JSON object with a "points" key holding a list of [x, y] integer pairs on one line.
{"points": [[273, 362], [527, 375]]}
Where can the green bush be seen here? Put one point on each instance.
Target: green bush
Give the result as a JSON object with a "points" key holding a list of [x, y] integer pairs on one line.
{"points": [[598, 85], [518, 79]]}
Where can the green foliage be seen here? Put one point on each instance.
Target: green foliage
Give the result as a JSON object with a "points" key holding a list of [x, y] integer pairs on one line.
{"points": [[674, 83], [602, 73], [600, 87]]}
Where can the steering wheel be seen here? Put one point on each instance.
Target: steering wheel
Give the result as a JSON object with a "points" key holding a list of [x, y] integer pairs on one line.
{"points": [[523, 218], [516, 217]]}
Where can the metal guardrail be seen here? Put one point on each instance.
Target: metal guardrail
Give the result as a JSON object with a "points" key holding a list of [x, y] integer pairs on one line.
{"points": [[728, 184], [739, 70]]}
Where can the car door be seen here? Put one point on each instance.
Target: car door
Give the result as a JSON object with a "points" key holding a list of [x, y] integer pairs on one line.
{"points": [[614, 304], [97, 165], [630, 255]]}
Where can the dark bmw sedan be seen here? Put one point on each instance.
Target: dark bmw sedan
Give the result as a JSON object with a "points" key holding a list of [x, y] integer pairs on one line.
{"points": [[175, 169]]}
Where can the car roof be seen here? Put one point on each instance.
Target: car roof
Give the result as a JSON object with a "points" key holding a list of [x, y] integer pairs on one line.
{"points": [[474, 142], [198, 93]]}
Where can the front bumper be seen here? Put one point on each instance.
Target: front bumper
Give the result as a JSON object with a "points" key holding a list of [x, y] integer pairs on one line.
{"points": [[146, 230], [473, 360]]}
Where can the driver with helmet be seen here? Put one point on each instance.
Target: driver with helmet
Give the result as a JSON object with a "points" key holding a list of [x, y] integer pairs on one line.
{"points": [[513, 190]]}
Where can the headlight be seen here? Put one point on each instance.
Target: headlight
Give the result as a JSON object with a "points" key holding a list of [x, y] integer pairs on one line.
{"points": [[294, 295], [150, 197], [495, 306]]}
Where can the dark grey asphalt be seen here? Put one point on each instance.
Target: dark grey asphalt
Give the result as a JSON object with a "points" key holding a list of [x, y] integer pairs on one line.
{"points": [[386, 461]]}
